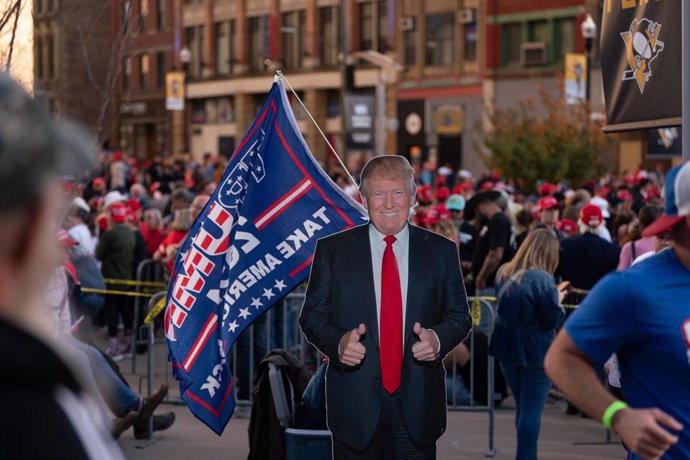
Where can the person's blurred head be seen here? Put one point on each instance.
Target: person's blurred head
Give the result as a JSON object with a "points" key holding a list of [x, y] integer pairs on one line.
{"points": [[153, 218], [198, 205], [591, 218], [539, 250], [182, 221], [548, 211], [524, 219], [137, 191], [180, 199], [34, 152]]}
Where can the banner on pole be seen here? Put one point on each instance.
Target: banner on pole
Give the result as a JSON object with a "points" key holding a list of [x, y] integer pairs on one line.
{"points": [[251, 245], [359, 116], [641, 53], [174, 91], [575, 78]]}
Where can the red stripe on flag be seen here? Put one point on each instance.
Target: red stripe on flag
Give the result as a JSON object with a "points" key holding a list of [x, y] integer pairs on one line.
{"points": [[246, 138], [205, 405], [306, 174], [304, 265], [282, 204], [200, 342]]}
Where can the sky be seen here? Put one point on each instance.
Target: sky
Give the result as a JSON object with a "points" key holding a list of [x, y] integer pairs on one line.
{"points": [[22, 55]]}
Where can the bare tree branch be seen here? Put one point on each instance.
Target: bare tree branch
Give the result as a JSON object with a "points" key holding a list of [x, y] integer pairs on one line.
{"points": [[17, 9]]}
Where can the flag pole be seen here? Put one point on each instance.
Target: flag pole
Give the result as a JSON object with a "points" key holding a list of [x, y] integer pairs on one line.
{"points": [[685, 77], [279, 74]]}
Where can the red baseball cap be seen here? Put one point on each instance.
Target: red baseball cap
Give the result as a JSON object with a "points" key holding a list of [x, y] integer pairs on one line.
{"points": [[99, 183], [424, 193], [547, 202], [133, 204], [442, 194], [548, 189], [436, 215], [566, 225], [118, 212], [591, 215]]}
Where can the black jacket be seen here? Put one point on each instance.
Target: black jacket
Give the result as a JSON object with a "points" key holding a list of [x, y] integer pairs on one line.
{"points": [[37, 391], [341, 295]]}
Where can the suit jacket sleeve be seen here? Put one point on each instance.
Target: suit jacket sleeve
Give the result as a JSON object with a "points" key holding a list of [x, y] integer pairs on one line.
{"points": [[456, 322], [315, 319]]}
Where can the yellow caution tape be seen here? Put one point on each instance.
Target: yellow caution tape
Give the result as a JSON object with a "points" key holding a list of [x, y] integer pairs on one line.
{"points": [[155, 311], [476, 311], [116, 292], [135, 283]]}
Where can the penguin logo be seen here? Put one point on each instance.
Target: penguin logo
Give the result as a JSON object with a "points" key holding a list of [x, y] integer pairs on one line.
{"points": [[642, 47]]}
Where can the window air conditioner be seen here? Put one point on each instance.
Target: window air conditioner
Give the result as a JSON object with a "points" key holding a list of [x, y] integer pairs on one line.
{"points": [[533, 54]]}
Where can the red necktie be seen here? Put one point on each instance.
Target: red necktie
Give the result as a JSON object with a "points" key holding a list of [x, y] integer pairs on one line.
{"points": [[391, 319]]}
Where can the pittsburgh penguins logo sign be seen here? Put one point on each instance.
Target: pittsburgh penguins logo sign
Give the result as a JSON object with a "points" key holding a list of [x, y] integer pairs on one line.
{"points": [[642, 48]]}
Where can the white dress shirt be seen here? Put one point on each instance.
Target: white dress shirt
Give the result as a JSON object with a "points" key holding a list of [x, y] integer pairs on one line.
{"points": [[401, 249]]}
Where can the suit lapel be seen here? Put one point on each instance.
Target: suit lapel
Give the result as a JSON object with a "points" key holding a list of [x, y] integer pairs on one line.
{"points": [[363, 276], [415, 275]]}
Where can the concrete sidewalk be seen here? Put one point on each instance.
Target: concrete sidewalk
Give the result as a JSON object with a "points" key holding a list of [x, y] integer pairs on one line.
{"points": [[562, 436], [466, 438]]}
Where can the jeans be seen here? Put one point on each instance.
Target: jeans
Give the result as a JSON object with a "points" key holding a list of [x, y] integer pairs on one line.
{"points": [[119, 397], [530, 387], [485, 319]]}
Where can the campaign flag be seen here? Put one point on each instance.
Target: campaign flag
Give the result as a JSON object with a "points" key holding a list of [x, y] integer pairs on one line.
{"points": [[252, 244]]}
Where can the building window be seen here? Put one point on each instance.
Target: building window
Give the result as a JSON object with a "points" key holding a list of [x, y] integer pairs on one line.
{"points": [[293, 35], [258, 43], [160, 69], [127, 73], [373, 25], [565, 38], [38, 57], [195, 42], [334, 103], [440, 39], [144, 68], [330, 29], [50, 55], [49, 5], [143, 13], [410, 38], [225, 36], [469, 47], [511, 40], [160, 14]]}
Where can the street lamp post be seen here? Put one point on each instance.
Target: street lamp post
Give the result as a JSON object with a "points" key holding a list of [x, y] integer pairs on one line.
{"points": [[589, 32], [185, 59]]}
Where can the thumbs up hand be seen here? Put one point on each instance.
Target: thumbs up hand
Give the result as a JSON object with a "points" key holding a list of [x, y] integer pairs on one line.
{"points": [[351, 351], [428, 346]]}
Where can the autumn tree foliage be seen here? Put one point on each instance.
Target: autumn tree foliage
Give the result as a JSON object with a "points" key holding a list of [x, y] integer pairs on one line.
{"points": [[526, 146]]}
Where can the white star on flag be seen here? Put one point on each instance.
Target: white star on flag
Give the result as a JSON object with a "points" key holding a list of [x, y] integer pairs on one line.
{"points": [[244, 312], [280, 285], [232, 326], [268, 293], [256, 303]]}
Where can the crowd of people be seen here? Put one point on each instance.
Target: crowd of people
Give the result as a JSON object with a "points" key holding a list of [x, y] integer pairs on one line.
{"points": [[530, 250]]}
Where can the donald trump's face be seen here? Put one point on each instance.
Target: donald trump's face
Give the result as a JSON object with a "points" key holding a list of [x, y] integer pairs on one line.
{"points": [[388, 201]]}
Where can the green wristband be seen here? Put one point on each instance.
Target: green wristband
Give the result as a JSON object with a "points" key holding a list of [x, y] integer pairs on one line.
{"points": [[611, 411]]}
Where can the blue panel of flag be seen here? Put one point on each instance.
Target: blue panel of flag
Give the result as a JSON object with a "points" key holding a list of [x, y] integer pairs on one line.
{"points": [[252, 244]]}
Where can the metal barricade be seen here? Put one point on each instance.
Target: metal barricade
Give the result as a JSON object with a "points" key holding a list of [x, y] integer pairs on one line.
{"points": [[147, 271], [480, 308]]}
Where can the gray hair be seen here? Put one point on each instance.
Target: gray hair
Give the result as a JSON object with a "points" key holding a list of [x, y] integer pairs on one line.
{"points": [[388, 167]]}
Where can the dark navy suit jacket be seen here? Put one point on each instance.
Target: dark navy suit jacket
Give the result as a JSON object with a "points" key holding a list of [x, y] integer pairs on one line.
{"points": [[341, 295]]}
